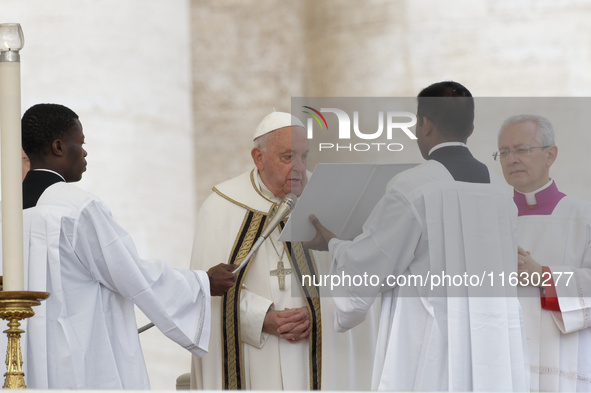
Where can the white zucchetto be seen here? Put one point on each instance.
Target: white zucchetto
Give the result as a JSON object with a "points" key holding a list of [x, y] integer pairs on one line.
{"points": [[274, 121]]}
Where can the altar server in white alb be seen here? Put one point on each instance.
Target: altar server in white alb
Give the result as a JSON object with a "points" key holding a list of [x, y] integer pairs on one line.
{"points": [[267, 333], [447, 216], [84, 336], [554, 258]]}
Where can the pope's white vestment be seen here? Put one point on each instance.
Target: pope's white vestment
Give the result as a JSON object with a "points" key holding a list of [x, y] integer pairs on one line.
{"points": [[557, 233], [269, 362], [84, 336], [429, 225]]}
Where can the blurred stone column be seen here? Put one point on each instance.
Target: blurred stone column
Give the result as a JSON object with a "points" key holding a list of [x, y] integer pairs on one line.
{"points": [[358, 48], [248, 57]]}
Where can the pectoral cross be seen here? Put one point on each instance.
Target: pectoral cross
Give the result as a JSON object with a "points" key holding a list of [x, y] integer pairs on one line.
{"points": [[281, 272]]}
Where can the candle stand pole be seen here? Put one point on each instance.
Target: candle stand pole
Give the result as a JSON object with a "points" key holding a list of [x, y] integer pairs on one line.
{"points": [[14, 307]]}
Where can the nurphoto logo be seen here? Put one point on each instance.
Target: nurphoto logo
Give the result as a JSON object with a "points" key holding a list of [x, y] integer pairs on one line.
{"points": [[370, 129]]}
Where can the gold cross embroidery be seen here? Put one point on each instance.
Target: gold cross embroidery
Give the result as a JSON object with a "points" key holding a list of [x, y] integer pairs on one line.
{"points": [[281, 272]]}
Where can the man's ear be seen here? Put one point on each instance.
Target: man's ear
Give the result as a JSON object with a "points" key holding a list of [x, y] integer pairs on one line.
{"points": [[57, 148], [552, 154], [428, 127], [471, 131], [257, 157]]}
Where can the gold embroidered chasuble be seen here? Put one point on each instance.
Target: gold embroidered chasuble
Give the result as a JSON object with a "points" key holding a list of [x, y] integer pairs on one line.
{"points": [[234, 369]]}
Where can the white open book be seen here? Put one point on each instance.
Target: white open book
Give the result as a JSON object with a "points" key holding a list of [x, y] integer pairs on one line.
{"points": [[342, 196]]}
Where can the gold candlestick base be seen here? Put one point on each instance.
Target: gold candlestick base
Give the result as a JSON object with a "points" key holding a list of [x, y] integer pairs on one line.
{"points": [[14, 306]]}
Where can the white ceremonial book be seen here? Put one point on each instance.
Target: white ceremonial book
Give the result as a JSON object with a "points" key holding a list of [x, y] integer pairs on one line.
{"points": [[342, 196]]}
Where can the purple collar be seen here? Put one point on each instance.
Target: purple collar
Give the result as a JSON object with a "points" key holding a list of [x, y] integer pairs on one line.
{"points": [[546, 199]]}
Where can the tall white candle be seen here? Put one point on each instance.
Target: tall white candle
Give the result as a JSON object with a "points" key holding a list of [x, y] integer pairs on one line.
{"points": [[12, 203]]}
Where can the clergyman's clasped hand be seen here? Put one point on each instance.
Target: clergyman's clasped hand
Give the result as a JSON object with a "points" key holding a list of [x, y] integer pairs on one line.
{"points": [[221, 278], [291, 324]]}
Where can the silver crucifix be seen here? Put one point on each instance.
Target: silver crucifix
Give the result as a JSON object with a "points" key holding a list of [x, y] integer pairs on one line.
{"points": [[281, 272]]}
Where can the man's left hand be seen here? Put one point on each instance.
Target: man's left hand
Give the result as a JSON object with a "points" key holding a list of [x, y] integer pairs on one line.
{"points": [[292, 324], [527, 266], [296, 326]]}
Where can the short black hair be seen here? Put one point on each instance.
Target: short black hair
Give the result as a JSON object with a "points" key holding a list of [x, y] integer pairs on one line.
{"points": [[449, 106], [42, 124]]}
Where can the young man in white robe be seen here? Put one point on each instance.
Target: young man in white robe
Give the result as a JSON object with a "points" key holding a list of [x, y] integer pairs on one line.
{"points": [[267, 332], [84, 336], [446, 217], [554, 233]]}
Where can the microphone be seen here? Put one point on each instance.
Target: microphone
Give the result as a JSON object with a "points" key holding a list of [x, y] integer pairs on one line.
{"points": [[145, 327], [285, 207]]}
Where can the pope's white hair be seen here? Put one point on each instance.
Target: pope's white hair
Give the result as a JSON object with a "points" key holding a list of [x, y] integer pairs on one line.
{"points": [[262, 141], [544, 131]]}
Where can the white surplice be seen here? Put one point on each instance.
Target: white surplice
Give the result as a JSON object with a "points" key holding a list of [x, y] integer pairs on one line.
{"points": [[271, 362], [84, 336], [560, 342], [429, 225]]}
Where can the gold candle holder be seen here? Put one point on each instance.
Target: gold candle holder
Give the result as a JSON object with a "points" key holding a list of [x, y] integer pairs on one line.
{"points": [[15, 306]]}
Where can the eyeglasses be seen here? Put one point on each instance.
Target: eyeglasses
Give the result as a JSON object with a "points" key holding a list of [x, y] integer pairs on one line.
{"points": [[520, 152]]}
